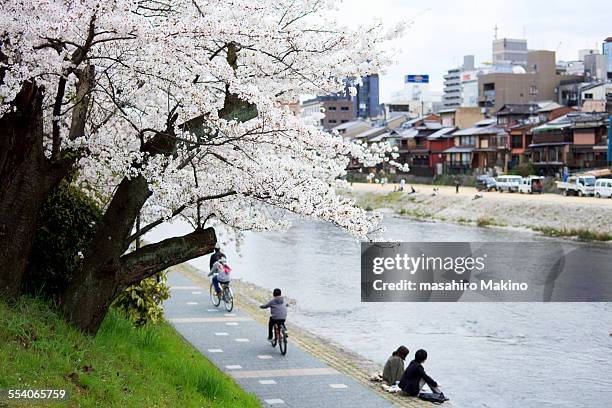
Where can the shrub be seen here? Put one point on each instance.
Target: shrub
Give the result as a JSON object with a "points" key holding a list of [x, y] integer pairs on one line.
{"points": [[524, 170], [67, 222], [142, 302]]}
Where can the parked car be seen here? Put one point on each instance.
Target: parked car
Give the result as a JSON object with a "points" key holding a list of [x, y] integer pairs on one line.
{"points": [[603, 188], [508, 183], [577, 185], [531, 184], [485, 183]]}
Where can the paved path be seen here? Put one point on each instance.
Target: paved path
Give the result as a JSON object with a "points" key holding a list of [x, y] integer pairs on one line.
{"points": [[237, 345]]}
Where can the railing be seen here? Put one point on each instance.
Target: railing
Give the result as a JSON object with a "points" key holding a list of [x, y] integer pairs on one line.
{"points": [[457, 168]]}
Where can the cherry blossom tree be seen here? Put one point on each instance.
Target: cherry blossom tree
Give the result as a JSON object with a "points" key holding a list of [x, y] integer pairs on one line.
{"points": [[167, 108]]}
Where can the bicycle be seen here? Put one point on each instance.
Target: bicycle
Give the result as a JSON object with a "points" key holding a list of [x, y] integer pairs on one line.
{"points": [[227, 296], [280, 337]]}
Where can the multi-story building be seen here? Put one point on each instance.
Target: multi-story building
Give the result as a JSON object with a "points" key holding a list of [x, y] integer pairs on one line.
{"points": [[539, 82], [576, 141], [607, 51], [342, 107], [595, 67], [452, 89], [480, 149], [366, 102], [597, 97], [507, 51], [582, 54], [462, 118], [335, 110]]}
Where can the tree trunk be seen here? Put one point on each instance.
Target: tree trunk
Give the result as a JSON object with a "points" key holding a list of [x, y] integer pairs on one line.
{"points": [[26, 179], [91, 294]]}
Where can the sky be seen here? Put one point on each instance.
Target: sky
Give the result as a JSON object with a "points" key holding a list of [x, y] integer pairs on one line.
{"points": [[443, 31]]}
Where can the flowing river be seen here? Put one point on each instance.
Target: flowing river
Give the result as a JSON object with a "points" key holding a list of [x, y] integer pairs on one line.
{"points": [[498, 355]]}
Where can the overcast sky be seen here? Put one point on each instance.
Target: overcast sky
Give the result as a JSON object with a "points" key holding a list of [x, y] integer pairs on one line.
{"points": [[443, 31]]}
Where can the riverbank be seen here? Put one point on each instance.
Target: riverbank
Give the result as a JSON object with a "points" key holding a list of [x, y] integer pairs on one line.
{"points": [[586, 218], [121, 366], [345, 361]]}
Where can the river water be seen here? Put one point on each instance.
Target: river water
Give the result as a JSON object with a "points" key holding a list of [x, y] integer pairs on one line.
{"points": [[501, 355]]}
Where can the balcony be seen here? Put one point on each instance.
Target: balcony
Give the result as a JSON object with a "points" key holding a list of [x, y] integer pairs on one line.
{"points": [[542, 138], [457, 168]]}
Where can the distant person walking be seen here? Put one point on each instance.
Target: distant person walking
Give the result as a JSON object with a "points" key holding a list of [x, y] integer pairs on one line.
{"points": [[415, 378], [394, 367], [457, 184]]}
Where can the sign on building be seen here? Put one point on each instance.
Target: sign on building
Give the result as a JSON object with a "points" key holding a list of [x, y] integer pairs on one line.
{"points": [[417, 79]]}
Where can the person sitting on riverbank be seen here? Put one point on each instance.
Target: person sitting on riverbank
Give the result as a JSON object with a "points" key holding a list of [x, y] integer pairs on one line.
{"points": [[415, 378], [394, 367], [220, 272], [278, 310]]}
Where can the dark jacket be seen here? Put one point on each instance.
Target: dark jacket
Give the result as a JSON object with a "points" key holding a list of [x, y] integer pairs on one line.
{"points": [[411, 378], [214, 258]]}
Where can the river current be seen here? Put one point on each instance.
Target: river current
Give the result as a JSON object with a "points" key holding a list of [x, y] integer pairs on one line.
{"points": [[501, 355]]}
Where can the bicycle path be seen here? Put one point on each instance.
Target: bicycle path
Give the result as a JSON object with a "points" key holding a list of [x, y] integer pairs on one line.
{"points": [[237, 345]]}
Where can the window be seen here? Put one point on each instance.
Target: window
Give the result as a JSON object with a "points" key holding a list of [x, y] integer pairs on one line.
{"points": [[588, 96], [332, 121], [332, 108], [533, 90], [344, 121], [344, 108]]}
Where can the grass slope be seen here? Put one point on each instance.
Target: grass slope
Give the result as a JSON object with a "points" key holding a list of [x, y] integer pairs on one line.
{"points": [[120, 367]]}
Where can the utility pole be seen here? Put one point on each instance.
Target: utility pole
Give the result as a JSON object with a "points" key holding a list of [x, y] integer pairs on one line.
{"points": [[610, 141]]}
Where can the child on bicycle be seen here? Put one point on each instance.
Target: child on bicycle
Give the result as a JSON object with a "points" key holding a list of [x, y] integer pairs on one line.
{"points": [[278, 311], [221, 273]]}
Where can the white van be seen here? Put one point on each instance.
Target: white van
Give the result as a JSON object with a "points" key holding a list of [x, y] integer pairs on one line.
{"points": [[508, 183], [531, 184], [603, 188]]}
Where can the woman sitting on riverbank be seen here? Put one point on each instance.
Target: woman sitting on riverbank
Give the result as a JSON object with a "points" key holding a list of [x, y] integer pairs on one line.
{"points": [[394, 368]]}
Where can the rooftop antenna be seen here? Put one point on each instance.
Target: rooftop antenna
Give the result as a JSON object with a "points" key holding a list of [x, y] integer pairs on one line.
{"points": [[496, 28]]}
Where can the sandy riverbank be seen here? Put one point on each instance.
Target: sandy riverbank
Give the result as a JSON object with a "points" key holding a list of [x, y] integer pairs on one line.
{"points": [[548, 212]]}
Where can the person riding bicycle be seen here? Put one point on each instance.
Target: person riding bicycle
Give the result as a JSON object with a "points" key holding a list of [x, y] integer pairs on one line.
{"points": [[221, 273], [215, 256], [278, 311]]}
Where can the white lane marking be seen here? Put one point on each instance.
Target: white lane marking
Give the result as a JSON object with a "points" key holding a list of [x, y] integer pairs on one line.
{"points": [[192, 303], [221, 334], [209, 319], [242, 340], [274, 401], [234, 367], [231, 324], [338, 386], [291, 372], [215, 351], [229, 314], [211, 310], [196, 293], [267, 382], [185, 287], [265, 357]]}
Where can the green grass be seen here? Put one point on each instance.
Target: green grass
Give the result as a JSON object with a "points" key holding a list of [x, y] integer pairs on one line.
{"points": [[121, 366], [581, 234], [484, 222]]}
